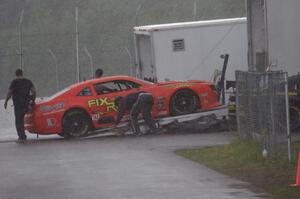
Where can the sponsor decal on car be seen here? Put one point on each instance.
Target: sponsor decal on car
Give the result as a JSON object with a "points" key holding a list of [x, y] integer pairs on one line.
{"points": [[203, 94], [96, 116], [51, 122], [160, 102], [162, 113], [179, 85], [47, 108], [106, 102]]}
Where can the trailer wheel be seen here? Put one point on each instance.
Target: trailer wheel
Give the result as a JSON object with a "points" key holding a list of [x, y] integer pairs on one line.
{"points": [[75, 124], [294, 117], [184, 101]]}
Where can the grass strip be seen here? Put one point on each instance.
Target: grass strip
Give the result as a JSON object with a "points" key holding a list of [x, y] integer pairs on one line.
{"points": [[243, 160]]}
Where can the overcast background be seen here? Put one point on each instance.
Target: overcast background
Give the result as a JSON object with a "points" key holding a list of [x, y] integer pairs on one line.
{"points": [[105, 29]]}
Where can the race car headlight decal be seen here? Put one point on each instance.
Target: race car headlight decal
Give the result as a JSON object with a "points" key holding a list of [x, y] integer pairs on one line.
{"points": [[160, 103]]}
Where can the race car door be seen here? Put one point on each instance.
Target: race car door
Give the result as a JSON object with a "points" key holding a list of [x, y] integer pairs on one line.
{"points": [[103, 108]]}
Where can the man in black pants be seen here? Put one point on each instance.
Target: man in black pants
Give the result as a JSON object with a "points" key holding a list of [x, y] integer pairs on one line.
{"points": [[136, 103], [22, 92]]}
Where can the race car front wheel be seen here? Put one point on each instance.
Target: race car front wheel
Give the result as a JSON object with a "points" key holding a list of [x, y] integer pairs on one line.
{"points": [[184, 101], [75, 124]]}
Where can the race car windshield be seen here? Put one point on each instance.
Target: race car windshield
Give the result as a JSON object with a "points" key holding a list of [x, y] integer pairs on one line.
{"points": [[57, 94]]}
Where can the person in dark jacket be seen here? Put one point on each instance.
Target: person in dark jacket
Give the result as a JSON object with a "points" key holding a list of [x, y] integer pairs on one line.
{"points": [[136, 103], [23, 93]]}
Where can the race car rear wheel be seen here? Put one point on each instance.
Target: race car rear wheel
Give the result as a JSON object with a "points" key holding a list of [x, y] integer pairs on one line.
{"points": [[184, 101], [75, 124]]}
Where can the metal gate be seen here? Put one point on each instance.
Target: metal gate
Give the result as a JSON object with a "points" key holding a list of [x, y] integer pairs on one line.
{"points": [[262, 102]]}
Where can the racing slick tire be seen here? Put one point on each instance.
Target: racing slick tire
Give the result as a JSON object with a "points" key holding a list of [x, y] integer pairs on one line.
{"points": [[183, 102], [75, 124]]}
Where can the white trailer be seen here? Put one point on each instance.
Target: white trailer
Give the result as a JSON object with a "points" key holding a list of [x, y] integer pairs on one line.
{"points": [[190, 50]]}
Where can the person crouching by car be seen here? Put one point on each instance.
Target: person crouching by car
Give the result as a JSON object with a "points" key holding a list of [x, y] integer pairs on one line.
{"points": [[136, 103], [23, 94]]}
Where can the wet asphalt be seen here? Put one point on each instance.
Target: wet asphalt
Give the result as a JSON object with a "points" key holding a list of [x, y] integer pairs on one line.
{"points": [[114, 167]]}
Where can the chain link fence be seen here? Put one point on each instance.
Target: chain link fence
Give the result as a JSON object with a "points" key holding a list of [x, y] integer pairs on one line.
{"points": [[261, 100], [49, 59]]}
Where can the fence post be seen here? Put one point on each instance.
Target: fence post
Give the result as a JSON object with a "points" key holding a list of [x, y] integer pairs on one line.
{"points": [[287, 115]]}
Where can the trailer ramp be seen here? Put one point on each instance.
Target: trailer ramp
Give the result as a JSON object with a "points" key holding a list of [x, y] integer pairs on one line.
{"points": [[218, 113], [200, 119]]}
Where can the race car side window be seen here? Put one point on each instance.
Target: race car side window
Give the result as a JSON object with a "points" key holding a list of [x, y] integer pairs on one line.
{"points": [[85, 92], [115, 86], [107, 87], [127, 85]]}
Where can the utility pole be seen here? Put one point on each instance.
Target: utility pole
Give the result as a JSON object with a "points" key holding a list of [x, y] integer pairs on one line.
{"points": [[56, 68], [77, 50], [91, 61], [20, 39], [257, 27]]}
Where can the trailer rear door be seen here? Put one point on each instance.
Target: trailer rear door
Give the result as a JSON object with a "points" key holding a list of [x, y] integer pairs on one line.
{"points": [[146, 68]]}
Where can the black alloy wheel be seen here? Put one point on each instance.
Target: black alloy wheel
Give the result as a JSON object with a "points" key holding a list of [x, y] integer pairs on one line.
{"points": [[184, 102], [75, 124]]}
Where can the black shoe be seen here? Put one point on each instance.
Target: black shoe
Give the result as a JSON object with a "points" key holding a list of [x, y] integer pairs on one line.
{"points": [[138, 134], [154, 131], [21, 140]]}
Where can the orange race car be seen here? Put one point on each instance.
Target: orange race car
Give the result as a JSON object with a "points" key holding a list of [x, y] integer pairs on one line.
{"points": [[89, 105]]}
